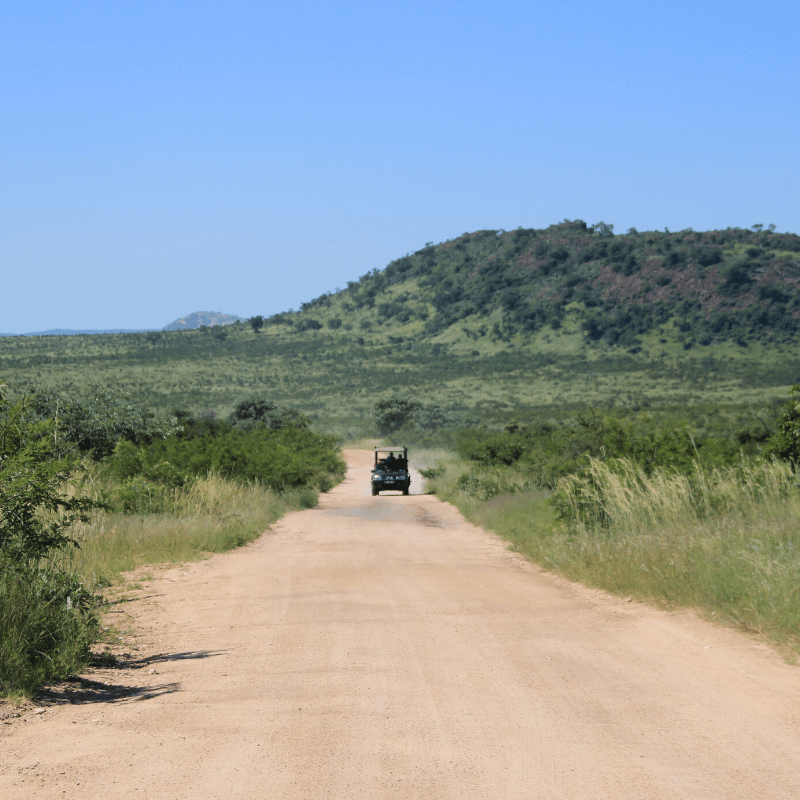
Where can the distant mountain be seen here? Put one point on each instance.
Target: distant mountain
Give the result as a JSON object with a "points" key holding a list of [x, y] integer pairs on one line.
{"points": [[189, 322], [68, 332], [200, 318]]}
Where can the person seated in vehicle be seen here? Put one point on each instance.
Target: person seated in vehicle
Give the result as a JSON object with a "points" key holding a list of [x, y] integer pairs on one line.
{"points": [[391, 462]]}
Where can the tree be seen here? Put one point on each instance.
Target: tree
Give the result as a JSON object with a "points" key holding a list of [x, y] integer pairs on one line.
{"points": [[254, 410], [398, 411], [256, 323], [604, 229], [395, 412], [310, 324], [431, 417]]}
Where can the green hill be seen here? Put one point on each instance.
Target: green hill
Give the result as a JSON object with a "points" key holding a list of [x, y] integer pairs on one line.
{"points": [[492, 326], [705, 286]]}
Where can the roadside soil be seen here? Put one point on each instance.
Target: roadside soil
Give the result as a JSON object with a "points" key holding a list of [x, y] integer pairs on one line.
{"points": [[386, 648]]}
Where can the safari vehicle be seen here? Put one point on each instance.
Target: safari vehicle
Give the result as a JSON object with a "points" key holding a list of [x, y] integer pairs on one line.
{"points": [[391, 469]]}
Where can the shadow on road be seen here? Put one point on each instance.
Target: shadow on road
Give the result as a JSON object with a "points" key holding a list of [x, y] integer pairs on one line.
{"points": [[80, 690], [160, 658]]}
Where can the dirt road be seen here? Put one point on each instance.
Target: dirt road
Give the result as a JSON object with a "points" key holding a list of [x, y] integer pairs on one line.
{"points": [[385, 648]]}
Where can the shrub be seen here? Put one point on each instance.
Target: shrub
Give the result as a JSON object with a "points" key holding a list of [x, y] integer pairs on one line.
{"points": [[35, 514], [286, 458], [46, 617], [785, 443], [94, 426], [256, 409], [395, 412], [399, 412]]}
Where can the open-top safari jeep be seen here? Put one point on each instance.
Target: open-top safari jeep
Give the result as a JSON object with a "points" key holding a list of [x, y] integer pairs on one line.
{"points": [[390, 470]]}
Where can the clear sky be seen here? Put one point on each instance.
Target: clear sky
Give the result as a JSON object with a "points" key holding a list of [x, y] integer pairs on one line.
{"points": [[164, 157]]}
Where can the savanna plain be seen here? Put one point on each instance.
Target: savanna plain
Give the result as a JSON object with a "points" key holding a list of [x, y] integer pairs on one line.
{"points": [[593, 590]]}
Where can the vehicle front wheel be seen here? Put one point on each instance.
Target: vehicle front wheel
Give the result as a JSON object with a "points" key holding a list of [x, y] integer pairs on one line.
{"points": [[374, 490], [405, 490]]}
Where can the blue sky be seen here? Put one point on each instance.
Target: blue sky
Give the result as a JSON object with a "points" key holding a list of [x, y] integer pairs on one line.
{"points": [[159, 158]]}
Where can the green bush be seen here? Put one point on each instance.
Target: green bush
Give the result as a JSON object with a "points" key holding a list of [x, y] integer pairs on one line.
{"points": [[95, 425], [399, 412], [47, 622], [785, 443], [484, 487], [394, 412], [46, 616], [35, 513], [286, 458], [548, 452], [255, 409]]}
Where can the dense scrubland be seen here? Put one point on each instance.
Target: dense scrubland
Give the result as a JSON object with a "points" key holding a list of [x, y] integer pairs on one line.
{"points": [[617, 407]]}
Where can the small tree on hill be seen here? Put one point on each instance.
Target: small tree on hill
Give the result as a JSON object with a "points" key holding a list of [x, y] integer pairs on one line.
{"points": [[256, 323], [604, 229], [395, 412], [255, 410]]}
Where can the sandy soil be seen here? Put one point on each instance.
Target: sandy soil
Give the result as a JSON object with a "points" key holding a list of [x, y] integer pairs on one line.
{"points": [[385, 648]]}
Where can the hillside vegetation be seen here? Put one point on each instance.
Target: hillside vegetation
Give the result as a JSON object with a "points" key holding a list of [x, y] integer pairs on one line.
{"points": [[491, 326], [708, 286]]}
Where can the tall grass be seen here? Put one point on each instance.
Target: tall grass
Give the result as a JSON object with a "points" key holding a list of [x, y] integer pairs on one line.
{"points": [[211, 515], [725, 541], [618, 493], [469, 484]]}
